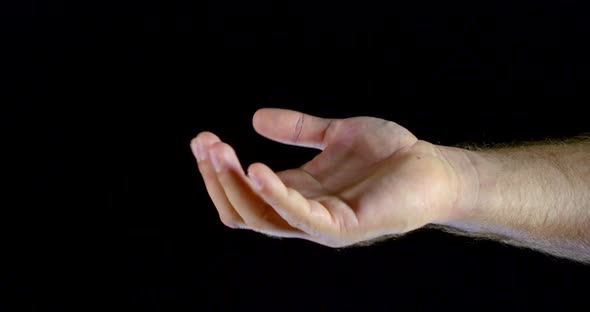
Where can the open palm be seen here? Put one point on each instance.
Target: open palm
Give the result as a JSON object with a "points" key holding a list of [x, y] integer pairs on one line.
{"points": [[372, 178]]}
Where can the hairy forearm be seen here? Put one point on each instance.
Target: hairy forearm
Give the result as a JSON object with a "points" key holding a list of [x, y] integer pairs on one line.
{"points": [[532, 195]]}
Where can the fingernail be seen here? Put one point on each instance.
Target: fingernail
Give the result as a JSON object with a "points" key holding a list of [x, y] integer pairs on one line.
{"points": [[216, 162], [197, 147], [201, 151], [255, 181]]}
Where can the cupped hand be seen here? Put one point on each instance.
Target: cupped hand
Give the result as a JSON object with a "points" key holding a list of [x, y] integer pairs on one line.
{"points": [[372, 178]]}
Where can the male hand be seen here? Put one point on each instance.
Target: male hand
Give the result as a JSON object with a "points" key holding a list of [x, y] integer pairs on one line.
{"points": [[372, 178]]}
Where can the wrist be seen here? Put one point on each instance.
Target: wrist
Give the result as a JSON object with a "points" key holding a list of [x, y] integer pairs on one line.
{"points": [[464, 172]]}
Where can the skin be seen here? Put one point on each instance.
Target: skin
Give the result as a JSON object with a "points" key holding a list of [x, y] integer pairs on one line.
{"points": [[373, 179]]}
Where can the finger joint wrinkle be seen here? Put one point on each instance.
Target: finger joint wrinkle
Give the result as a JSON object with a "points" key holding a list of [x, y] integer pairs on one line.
{"points": [[299, 127]]}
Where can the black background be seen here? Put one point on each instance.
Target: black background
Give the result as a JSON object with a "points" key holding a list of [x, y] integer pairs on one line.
{"points": [[103, 204]]}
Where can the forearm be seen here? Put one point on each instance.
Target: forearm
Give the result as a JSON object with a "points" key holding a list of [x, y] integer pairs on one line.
{"points": [[537, 196]]}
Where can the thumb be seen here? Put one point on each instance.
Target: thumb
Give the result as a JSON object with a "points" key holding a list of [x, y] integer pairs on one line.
{"points": [[292, 127]]}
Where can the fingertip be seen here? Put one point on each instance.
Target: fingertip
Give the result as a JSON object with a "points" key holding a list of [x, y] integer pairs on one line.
{"points": [[200, 144], [217, 154], [230, 222], [255, 167], [266, 182], [259, 170], [207, 137], [223, 156], [266, 118], [196, 148], [258, 119], [255, 175]]}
